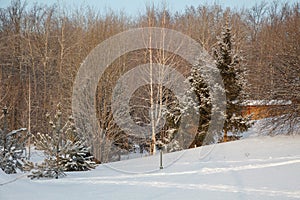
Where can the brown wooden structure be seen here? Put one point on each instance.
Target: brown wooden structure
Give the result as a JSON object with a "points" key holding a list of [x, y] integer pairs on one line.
{"points": [[259, 109]]}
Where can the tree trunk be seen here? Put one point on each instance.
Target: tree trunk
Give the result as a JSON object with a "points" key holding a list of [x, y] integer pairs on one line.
{"points": [[225, 139]]}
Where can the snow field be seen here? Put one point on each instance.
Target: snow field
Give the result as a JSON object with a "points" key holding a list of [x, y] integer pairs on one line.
{"points": [[253, 168]]}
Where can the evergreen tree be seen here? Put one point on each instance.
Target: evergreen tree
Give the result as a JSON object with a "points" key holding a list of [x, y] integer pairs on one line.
{"points": [[12, 147], [200, 88], [13, 152], [167, 139], [229, 63]]}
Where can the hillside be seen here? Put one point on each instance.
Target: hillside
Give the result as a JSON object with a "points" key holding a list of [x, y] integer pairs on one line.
{"points": [[254, 168]]}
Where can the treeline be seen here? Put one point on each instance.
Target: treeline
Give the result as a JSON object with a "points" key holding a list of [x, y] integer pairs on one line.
{"points": [[42, 47]]}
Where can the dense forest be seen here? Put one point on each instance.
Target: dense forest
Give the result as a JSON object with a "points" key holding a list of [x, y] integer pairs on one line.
{"points": [[42, 47]]}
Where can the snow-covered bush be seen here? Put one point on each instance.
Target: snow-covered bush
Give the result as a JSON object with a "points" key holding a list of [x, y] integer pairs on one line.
{"points": [[169, 142]]}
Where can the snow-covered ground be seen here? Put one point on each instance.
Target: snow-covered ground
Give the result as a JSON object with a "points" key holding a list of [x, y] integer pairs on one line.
{"points": [[254, 168]]}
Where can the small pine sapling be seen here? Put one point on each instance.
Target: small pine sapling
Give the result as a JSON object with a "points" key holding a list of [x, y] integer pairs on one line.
{"points": [[63, 149]]}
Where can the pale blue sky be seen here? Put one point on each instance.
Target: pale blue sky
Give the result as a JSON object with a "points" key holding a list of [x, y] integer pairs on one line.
{"points": [[134, 7]]}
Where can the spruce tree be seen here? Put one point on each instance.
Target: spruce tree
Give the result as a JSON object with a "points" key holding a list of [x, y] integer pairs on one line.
{"points": [[12, 147], [200, 88], [13, 152], [228, 61]]}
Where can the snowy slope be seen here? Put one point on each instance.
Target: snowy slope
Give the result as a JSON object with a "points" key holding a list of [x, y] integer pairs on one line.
{"points": [[254, 168]]}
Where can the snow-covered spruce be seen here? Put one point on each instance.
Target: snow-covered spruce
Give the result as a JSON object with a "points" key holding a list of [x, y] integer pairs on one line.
{"points": [[77, 157], [229, 63], [63, 149], [12, 150], [200, 88]]}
